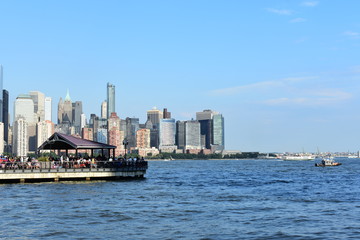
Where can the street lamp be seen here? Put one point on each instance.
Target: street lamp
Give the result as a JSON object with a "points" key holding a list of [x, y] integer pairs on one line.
{"points": [[125, 143]]}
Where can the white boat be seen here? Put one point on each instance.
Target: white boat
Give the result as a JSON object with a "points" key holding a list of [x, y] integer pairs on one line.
{"points": [[297, 157]]}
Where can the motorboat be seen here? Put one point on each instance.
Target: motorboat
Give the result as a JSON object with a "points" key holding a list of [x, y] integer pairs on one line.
{"points": [[327, 162]]}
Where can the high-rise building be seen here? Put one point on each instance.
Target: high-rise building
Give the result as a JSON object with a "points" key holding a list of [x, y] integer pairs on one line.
{"points": [[76, 116], [83, 121], [68, 109], [212, 130], [39, 105], [20, 138], [132, 125], [115, 135], [48, 108], [166, 114], [6, 118], [44, 130], [116, 138], [101, 135], [113, 121], [180, 134], [188, 135], [143, 138], [192, 135], [154, 115], [167, 135], [60, 111], [104, 109], [218, 143], [88, 134], [110, 99], [24, 108]]}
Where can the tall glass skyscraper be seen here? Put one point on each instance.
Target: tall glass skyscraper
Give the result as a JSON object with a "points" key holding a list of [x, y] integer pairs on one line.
{"points": [[212, 130], [218, 132], [110, 99]]}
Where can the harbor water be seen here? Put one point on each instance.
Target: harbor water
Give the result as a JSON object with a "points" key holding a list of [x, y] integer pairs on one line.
{"points": [[193, 199]]}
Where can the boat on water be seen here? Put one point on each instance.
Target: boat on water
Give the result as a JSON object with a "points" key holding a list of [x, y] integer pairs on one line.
{"points": [[327, 162], [297, 157]]}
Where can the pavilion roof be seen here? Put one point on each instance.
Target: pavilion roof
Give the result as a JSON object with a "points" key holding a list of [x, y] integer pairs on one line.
{"points": [[63, 141]]}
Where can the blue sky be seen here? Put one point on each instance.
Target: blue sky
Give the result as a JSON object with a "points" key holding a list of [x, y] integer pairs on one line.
{"points": [[284, 74]]}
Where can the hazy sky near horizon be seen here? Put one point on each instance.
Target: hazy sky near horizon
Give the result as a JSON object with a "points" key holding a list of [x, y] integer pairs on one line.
{"points": [[284, 74]]}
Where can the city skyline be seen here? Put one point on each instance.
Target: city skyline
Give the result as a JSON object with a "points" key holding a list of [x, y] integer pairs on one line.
{"points": [[284, 74]]}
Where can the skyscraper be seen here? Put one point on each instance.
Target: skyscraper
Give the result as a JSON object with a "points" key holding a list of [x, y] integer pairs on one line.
{"points": [[5, 114], [76, 116], [188, 135], [143, 138], [154, 115], [132, 125], [192, 135], [24, 108], [218, 133], [115, 136], [67, 115], [166, 114], [167, 135], [39, 105], [110, 99], [104, 109], [212, 130], [48, 108], [44, 130], [20, 138]]}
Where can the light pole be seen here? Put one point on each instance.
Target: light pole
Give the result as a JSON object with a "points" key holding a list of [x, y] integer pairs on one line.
{"points": [[125, 143]]}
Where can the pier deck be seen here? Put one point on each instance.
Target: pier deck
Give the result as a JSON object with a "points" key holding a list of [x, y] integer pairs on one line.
{"points": [[9, 175]]}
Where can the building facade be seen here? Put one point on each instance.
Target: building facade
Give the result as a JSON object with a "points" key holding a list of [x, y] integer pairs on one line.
{"points": [[39, 105], [45, 129], [167, 135], [6, 118], [132, 125], [110, 99], [48, 108], [104, 109], [24, 108], [212, 130], [20, 138], [192, 135], [143, 138]]}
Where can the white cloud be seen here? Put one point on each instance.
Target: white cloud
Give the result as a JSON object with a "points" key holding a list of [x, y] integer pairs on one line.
{"points": [[279, 11], [310, 3], [298, 20], [352, 34], [314, 98], [259, 85], [295, 91]]}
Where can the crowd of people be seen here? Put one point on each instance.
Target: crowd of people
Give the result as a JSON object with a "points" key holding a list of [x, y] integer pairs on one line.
{"points": [[71, 162]]}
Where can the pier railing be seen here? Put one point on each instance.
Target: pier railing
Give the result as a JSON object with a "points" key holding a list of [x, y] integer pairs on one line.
{"points": [[73, 166]]}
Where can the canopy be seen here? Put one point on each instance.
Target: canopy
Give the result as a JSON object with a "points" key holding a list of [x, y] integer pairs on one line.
{"points": [[62, 141]]}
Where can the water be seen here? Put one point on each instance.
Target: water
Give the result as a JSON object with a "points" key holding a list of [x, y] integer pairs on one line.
{"points": [[244, 199]]}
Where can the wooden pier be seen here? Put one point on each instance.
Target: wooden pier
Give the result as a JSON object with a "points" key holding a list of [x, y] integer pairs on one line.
{"points": [[76, 169], [70, 174]]}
